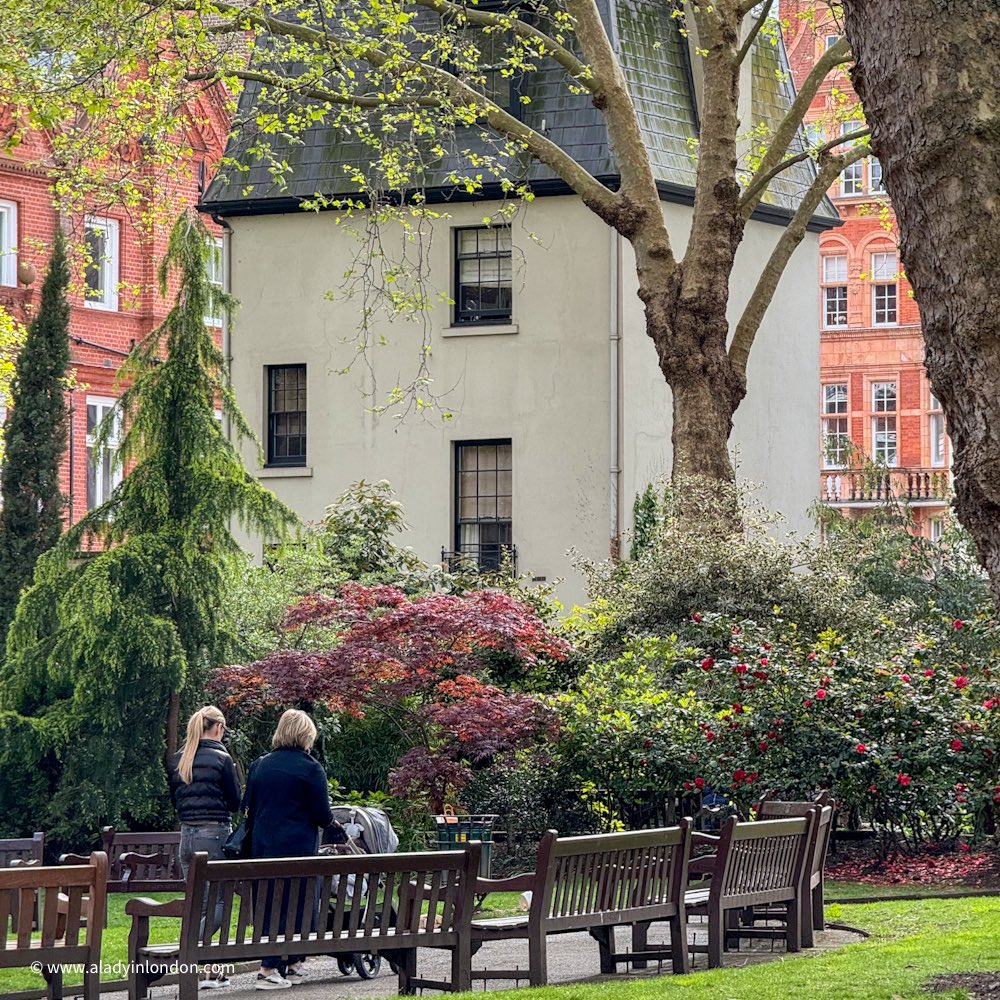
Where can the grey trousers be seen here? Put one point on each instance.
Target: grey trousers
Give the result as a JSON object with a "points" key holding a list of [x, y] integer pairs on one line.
{"points": [[208, 837]]}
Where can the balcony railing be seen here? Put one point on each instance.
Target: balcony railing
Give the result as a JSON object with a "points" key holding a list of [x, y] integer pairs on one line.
{"points": [[846, 486], [486, 558]]}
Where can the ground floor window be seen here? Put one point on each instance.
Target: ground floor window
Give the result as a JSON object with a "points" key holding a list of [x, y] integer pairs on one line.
{"points": [[483, 502]]}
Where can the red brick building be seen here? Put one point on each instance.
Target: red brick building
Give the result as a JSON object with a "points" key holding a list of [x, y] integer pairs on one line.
{"points": [[875, 398], [115, 301]]}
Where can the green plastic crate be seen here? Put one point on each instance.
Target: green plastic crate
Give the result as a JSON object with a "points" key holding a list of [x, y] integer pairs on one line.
{"points": [[454, 832]]}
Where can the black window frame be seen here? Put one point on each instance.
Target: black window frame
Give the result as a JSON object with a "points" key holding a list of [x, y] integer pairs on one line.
{"points": [[492, 560], [285, 461], [480, 317]]}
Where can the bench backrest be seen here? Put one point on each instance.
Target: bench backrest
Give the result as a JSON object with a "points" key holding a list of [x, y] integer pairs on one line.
{"points": [[628, 876], [64, 895], [764, 861], [772, 808], [416, 900], [156, 875], [22, 849]]}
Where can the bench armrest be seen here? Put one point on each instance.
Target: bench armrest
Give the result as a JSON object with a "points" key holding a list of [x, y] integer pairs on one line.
{"points": [[697, 837], [143, 907], [516, 883]]}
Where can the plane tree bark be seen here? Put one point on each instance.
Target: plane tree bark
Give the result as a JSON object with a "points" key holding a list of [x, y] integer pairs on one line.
{"points": [[928, 75]]}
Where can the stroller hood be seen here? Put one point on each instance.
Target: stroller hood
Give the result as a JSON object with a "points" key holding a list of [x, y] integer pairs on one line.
{"points": [[368, 827]]}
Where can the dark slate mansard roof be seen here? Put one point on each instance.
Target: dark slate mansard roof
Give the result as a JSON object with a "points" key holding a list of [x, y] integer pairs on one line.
{"points": [[656, 62]]}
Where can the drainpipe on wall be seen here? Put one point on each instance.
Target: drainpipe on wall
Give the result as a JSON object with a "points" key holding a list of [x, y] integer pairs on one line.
{"points": [[614, 408], [227, 286], [72, 451]]}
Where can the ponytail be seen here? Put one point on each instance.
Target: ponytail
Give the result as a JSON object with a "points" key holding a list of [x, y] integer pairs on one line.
{"points": [[198, 725]]}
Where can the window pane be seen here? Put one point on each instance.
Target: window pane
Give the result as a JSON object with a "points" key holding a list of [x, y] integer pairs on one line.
{"points": [[287, 415], [835, 312], [835, 398], [482, 528], [835, 268], [97, 250], [884, 266], [505, 457], [484, 275]]}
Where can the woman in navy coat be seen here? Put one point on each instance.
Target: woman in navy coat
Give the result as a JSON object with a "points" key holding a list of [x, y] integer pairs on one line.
{"points": [[287, 803]]}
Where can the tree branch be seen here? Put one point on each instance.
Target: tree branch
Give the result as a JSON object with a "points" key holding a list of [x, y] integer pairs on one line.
{"points": [[612, 98], [754, 31], [579, 70], [836, 55], [761, 182], [753, 314]]}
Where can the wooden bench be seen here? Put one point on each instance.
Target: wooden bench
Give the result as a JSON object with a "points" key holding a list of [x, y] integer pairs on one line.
{"points": [[59, 894], [813, 918], [596, 883], [755, 864], [400, 902], [23, 849], [152, 863]]}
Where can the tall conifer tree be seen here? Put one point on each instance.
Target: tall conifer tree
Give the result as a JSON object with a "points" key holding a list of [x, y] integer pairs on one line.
{"points": [[122, 622], [31, 519]]}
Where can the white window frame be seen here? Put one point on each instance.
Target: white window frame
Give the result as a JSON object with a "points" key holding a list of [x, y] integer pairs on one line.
{"points": [[854, 173], [835, 407], [881, 285], [936, 427], [217, 252], [873, 162], [936, 529], [840, 280], [8, 243], [829, 41], [113, 445], [110, 266], [885, 407]]}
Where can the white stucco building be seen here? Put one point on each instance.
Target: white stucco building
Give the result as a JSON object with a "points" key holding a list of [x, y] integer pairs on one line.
{"points": [[538, 347]]}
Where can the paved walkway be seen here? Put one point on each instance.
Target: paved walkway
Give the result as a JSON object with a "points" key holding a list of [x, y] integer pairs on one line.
{"points": [[572, 958]]}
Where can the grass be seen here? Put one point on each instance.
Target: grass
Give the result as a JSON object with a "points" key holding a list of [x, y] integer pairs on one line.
{"points": [[911, 942], [864, 890]]}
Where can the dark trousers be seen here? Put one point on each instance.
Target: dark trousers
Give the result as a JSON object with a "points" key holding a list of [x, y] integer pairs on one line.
{"points": [[208, 837], [307, 908]]}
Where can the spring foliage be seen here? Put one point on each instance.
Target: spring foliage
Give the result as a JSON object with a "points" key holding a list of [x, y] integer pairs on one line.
{"points": [[124, 611], [30, 521]]}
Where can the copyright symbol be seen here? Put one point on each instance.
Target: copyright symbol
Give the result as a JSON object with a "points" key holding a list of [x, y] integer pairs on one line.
{"points": [[36, 967]]}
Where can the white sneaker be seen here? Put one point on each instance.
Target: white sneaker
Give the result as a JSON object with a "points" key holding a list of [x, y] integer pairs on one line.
{"points": [[296, 975], [275, 981], [214, 984]]}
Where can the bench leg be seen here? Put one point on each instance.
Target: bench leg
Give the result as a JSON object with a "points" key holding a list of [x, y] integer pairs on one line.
{"points": [[407, 964], [679, 956], [715, 932], [187, 988], [538, 960], [732, 924], [818, 916], [53, 984], [461, 966], [793, 928], [91, 985], [605, 938], [640, 941]]}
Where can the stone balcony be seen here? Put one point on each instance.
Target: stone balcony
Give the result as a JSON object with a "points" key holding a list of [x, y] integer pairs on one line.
{"points": [[872, 487]]}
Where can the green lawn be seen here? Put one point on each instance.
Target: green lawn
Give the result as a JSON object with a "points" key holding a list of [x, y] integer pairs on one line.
{"points": [[862, 890], [911, 942]]}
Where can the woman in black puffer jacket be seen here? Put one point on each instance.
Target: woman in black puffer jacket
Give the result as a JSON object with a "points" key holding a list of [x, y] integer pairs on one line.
{"points": [[206, 792]]}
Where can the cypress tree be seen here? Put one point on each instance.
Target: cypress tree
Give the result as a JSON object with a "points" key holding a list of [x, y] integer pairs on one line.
{"points": [[31, 519], [122, 623]]}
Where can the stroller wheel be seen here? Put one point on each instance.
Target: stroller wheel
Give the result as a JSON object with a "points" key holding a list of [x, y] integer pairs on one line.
{"points": [[367, 964], [346, 964]]}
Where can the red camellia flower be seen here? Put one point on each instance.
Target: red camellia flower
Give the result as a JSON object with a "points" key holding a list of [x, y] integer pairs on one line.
{"points": [[709, 735], [928, 673], [737, 707], [956, 745], [762, 746], [752, 776], [741, 668], [903, 779], [808, 702], [707, 663], [761, 675], [873, 789], [820, 694], [696, 617], [961, 682], [764, 661], [647, 743], [735, 630], [811, 656], [958, 623], [862, 748], [738, 775], [699, 782], [905, 678], [688, 786], [825, 682]]}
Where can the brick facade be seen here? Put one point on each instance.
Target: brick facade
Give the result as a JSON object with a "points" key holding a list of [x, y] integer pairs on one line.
{"points": [[860, 346], [100, 338]]}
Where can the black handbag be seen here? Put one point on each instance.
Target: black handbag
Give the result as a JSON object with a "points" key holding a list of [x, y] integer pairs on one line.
{"points": [[238, 843]]}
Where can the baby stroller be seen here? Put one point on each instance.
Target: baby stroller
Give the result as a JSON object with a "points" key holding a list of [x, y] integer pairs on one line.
{"points": [[359, 830]]}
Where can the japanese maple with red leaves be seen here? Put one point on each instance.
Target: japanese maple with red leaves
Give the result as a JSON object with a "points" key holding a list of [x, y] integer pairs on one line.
{"points": [[424, 662]]}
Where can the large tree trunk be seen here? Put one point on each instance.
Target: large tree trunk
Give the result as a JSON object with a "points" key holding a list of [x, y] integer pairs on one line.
{"points": [[928, 75]]}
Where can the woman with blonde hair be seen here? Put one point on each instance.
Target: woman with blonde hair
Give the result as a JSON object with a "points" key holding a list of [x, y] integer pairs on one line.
{"points": [[206, 792], [287, 802]]}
